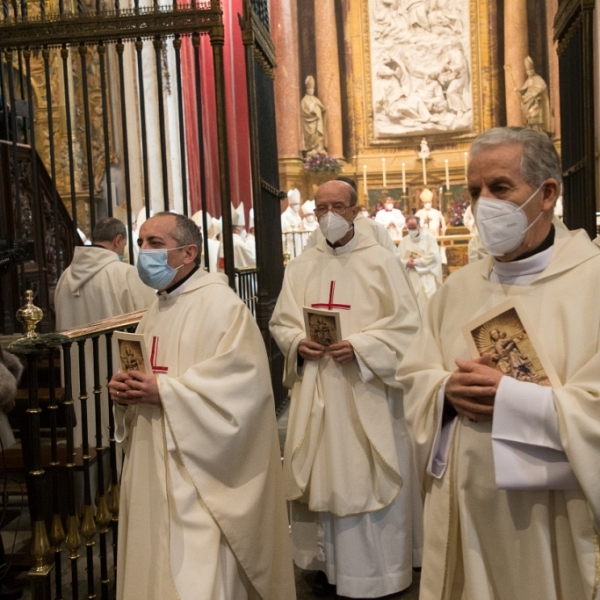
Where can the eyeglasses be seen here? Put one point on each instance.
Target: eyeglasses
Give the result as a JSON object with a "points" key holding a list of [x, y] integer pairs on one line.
{"points": [[338, 209]]}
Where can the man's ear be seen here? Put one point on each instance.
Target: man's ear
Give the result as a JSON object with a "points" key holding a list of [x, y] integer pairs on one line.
{"points": [[551, 191], [354, 211], [191, 252]]}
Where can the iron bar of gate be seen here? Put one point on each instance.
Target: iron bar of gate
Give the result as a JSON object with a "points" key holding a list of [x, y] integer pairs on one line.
{"points": [[4, 98], [158, 47], [58, 246], [120, 48], [182, 146], [113, 499], [14, 135], [37, 208], [57, 532], [88, 527], [3, 128], [88, 135], [217, 40], [200, 130], [73, 539], [107, 161], [64, 54], [139, 46], [21, 78], [40, 544], [102, 514]]}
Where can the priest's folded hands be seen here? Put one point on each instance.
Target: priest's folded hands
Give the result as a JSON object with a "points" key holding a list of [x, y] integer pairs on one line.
{"points": [[471, 390], [342, 353], [134, 387]]}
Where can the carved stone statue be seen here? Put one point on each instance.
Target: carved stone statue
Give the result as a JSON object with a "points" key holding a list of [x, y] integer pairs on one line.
{"points": [[424, 151], [535, 104], [313, 117]]}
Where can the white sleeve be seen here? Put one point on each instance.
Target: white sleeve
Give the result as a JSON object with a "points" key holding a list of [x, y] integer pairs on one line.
{"points": [[440, 451], [364, 372], [528, 453]]}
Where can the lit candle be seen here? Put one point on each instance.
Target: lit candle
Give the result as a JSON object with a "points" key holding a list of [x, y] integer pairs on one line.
{"points": [[424, 171], [447, 177], [365, 179], [384, 173], [404, 178], [466, 163]]}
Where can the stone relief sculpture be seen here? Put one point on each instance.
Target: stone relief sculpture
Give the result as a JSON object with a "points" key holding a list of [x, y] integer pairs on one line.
{"points": [[420, 69], [535, 104], [313, 117]]}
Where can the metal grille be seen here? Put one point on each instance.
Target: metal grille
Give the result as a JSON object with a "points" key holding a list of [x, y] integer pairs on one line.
{"points": [[94, 117], [261, 8]]}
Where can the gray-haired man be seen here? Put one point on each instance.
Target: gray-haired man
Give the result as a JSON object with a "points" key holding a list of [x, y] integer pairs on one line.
{"points": [[513, 500]]}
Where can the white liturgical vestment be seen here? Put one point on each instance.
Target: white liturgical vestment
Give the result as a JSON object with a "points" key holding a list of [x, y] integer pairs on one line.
{"points": [[513, 505], [347, 455], [426, 277], [393, 221], [95, 286], [202, 514], [432, 220]]}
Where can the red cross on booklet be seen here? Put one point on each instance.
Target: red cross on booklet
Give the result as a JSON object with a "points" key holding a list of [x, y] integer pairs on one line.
{"points": [[330, 305], [156, 368]]}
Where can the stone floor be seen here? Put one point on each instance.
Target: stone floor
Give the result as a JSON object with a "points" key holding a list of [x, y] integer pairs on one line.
{"points": [[17, 532]]}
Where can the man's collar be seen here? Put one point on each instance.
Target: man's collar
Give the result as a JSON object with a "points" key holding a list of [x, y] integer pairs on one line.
{"points": [[181, 281], [547, 243]]}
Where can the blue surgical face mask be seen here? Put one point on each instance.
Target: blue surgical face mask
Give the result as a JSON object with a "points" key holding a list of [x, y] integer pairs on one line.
{"points": [[121, 257], [153, 268]]}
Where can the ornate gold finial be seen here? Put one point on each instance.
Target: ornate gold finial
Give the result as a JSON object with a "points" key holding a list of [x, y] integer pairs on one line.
{"points": [[30, 315], [286, 258]]}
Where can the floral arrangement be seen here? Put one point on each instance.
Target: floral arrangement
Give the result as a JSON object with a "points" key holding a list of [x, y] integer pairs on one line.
{"points": [[457, 210], [323, 163]]}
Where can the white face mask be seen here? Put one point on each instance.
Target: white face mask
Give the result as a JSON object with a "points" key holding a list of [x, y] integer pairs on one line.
{"points": [[389, 206], [413, 233], [502, 224], [296, 207], [333, 226], [310, 218], [427, 205]]}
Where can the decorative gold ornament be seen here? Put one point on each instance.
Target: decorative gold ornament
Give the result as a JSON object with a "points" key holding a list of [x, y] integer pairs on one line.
{"points": [[30, 315], [40, 546], [57, 533]]}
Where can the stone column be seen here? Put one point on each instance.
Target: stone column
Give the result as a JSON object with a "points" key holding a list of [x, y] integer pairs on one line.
{"points": [[328, 73], [553, 87], [515, 51], [284, 31]]}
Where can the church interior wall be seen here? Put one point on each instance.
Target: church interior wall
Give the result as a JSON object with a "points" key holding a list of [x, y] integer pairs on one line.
{"points": [[491, 40]]}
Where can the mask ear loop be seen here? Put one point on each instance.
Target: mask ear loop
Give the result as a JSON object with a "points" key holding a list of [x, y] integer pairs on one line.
{"points": [[529, 200]]}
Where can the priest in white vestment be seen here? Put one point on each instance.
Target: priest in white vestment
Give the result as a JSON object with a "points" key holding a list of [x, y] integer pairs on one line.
{"points": [[420, 254], [510, 466], [348, 462], [97, 285], [202, 514], [244, 253], [392, 219], [431, 218], [291, 225], [213, 244]]}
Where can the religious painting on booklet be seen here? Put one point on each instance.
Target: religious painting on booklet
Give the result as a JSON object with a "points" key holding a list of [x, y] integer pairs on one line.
{"points": [[506, 334]]}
